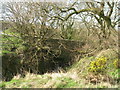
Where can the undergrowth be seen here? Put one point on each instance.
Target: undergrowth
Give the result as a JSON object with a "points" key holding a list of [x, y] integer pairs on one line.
{"points": [[88, 72]]}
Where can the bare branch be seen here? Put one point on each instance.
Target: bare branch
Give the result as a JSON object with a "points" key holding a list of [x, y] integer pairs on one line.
{"points": [[111, 8]]}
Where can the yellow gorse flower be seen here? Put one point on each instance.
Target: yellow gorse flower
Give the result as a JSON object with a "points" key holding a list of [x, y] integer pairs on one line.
{"points": [[98, 65], [116, 63]]}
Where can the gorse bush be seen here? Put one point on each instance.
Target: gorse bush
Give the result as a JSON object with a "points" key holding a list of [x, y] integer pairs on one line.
{"points": [[98, 66], [116, 63]]}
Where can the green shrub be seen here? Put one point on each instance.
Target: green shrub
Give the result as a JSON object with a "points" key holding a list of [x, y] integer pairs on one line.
{"points": [[98, 66]]}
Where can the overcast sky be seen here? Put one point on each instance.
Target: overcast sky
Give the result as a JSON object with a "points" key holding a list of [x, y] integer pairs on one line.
{"points": [[52, 0]]}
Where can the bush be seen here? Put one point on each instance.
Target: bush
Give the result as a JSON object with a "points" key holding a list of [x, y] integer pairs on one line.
{"points": [[116, 63], [98, 66]]}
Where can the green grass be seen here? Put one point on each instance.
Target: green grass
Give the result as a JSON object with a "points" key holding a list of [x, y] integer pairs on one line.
{"points": [[2, 84], [53, 80], [66, 83], [11, 83], [41, 81], [115, 73]]}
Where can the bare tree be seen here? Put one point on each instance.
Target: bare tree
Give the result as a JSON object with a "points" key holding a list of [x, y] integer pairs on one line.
{"points": [[33, 23], [105, 16]]}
